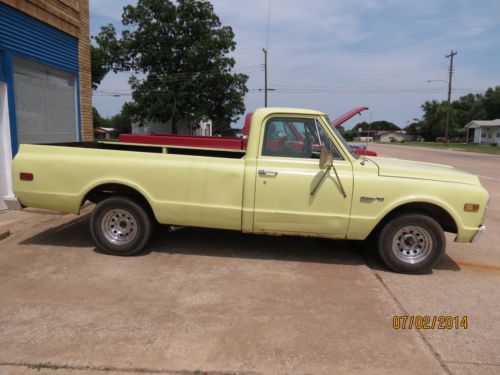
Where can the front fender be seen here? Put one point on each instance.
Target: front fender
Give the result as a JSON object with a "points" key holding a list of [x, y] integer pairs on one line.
{"points": [[364, 221]]}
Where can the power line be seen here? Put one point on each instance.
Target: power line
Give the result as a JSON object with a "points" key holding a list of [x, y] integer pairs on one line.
{"points": [[380, 91]]}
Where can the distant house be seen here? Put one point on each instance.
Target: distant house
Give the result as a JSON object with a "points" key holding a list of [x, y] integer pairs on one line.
{"points": [[363, 139], [103, 133], [485, 131], [391, 136], [183, 128]]}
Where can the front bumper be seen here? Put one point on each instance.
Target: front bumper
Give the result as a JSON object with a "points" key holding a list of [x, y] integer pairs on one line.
{"points": [[12, 203], [479, 233]]}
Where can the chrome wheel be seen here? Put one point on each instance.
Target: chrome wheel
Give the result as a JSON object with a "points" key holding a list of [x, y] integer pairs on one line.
{"points": [[119, 227], [412, 244]]}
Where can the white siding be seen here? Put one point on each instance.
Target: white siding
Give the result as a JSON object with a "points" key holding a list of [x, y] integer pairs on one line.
{"points": [[387, 137], [477, 135], [5, 148], [204, 128], [487, 134]]}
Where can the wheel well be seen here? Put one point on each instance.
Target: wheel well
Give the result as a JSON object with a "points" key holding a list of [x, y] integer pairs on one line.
{"points": [[101, 192], [443, 218]]}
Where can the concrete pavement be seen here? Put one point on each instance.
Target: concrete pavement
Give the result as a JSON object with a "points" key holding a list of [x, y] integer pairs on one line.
{"points": [[467, 282], [202, 300]]}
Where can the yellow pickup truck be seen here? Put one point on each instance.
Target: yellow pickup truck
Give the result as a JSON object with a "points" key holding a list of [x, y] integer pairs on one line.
{"points": [[317, 188]]}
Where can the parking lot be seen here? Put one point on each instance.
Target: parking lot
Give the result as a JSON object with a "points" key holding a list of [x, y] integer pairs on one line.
{"points": [[220, 302]]}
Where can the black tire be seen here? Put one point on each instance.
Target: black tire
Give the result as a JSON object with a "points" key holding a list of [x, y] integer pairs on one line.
{"points": [[411, 243], [121, 226]]}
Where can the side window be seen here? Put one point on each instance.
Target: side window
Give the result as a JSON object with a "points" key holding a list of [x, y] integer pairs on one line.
{"points": [[325, 140], [296, 138]]}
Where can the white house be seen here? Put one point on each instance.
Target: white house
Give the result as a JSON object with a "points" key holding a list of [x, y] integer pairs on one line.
{"points": [[104, 133], [485, 131], [390, 136], [183, 128]]}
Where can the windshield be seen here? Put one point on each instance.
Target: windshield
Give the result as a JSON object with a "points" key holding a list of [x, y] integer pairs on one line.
{"points": [[341, 138]]}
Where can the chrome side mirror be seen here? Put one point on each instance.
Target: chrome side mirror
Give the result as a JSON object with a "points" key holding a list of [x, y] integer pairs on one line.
{"points": [[326, 163], [325, 158]]}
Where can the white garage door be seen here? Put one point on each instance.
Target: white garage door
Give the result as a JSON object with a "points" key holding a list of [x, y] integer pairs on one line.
{"points": [[45, 104]]}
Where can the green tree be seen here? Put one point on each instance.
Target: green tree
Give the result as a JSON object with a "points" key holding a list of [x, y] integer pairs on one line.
{"points": [[465, 109], [97, 120], [349, 135], [490, 104], [179, 54], [104, 56], [433, 120], [122, 122], [98, 67], [375, 126]]}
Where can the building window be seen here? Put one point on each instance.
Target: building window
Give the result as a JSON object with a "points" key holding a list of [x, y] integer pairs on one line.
{"points": [[45, 99]]}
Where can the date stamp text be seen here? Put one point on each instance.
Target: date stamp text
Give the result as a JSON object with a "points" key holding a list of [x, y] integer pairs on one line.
{"points": [[430, 322]]}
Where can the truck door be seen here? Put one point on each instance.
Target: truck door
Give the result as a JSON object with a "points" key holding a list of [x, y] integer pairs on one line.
{"points": [[287, 172]]}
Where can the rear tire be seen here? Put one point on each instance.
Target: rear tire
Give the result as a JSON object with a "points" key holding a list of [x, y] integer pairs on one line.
{"points": [[121, 226], [411, 243]]}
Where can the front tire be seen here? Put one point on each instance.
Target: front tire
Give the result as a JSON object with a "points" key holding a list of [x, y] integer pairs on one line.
{"points": [[411, 243], [120, 226]]}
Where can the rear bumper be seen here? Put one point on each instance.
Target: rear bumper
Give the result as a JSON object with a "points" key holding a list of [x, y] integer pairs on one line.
{"points": [[479, 233], [12, 203]]}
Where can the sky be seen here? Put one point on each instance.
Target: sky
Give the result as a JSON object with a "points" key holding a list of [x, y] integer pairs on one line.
{"points": [[333, 55]]}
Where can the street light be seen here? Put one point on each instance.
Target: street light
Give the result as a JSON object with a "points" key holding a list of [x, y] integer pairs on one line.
{"points": [[447, 124]]}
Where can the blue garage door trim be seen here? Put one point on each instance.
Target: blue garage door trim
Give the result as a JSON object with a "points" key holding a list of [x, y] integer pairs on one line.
{"points": [[25, 37], [30, 38]]}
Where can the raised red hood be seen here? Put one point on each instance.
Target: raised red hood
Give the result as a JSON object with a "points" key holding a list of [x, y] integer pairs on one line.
{"points": [[348, 115]]}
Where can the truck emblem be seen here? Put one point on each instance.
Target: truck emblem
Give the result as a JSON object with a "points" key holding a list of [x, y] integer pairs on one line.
{"points": [[371, 199]]}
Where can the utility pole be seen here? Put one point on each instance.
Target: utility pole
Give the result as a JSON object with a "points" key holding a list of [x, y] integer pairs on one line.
{"points": [[450, 76], [265, 76]]}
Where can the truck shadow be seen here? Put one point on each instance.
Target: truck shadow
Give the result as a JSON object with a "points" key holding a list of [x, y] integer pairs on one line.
{"points": [[221, 243], [225, 243]]}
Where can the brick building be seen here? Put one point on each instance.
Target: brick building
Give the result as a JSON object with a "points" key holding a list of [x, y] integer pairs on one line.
{"points": [[45, 84]]}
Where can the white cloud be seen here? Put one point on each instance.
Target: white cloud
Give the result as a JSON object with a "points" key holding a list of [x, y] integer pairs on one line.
{"points": [[111, 9], [375, 44]]}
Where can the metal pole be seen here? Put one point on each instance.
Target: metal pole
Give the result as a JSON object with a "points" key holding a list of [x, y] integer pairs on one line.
{"points": [[265, 76], [450, 76]]}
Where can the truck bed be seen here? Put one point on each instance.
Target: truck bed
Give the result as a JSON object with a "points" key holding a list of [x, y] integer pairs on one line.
{"points": [[224, 143], [155, 148], [184, 186]]}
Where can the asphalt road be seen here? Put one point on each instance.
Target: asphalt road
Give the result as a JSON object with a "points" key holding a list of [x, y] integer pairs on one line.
{"points": [[220, 302]]}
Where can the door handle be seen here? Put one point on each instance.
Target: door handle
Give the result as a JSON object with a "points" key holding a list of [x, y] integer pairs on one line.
{"points": [[264, 173]]}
